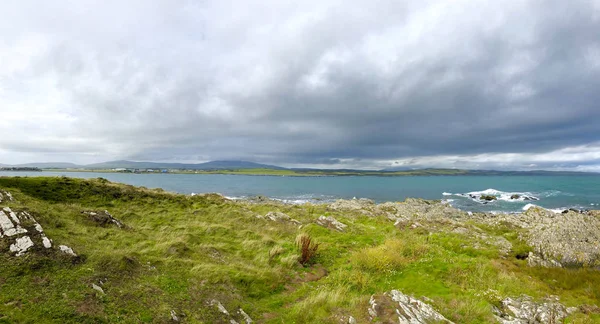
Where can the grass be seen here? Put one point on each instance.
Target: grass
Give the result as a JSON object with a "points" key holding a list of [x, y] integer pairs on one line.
{"points": [[180, 252]]}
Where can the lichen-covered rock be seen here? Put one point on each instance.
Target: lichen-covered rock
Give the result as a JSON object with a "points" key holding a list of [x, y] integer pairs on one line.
{"points": [[406, 211], [245, 316], [332, 223], [535, 260], [347, 319], [21, 232], [67, 250], [98, 288], [524, 310], [571, 239], [396, 307], [103, 218], [362, 205], [174, 316], [280, 217], [5, 196], [21, 245]]}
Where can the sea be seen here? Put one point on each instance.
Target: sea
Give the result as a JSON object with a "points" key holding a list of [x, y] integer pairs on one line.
{"points": [[556, 192]]}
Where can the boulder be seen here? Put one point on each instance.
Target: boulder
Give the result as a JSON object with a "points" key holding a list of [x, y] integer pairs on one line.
{"points": [[5, 196], [396, 307], [557, 240], [21, 232], [331, 223], [280, 217], [524, 310], [103, 218], [488, 197], [362, 205]]}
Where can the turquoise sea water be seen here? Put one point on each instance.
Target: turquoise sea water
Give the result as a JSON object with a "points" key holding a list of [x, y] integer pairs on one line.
{"points": [[553, 192]]}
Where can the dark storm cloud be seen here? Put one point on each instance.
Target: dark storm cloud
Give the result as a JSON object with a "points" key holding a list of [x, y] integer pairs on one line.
{"points": [[427, 83]]}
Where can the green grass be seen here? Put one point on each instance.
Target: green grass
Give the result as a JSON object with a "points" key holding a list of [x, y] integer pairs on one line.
{"points": [[180, 252]]}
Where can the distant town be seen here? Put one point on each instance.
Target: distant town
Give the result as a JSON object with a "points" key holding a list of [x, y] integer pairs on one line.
{"points": [[126, 170], [20, 169]]}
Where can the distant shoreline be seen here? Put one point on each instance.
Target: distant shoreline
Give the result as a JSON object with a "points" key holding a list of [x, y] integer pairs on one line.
{"points": [[328, 173]]}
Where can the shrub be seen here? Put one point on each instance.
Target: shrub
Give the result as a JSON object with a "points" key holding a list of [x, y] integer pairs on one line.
{"points": [[308, 248]]}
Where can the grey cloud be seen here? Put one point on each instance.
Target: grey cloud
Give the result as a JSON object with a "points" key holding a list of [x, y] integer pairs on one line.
{"points": [[317, 83]]}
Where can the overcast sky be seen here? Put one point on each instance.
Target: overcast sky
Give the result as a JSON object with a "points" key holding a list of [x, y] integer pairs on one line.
{"points": [[366, 84]]}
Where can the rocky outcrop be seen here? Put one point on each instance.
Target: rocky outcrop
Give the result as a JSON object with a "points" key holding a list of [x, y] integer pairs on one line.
{"points": [[280, 217], [19, 230], [21, 233], [488, 197], [362, 205], [5, 196], [558, 240], [524, 310], [331, 223], [571, 239], [103, 218], [396, 307], [406, 211]]}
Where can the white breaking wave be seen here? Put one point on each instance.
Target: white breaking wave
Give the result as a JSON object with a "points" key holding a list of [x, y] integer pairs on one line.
{"points": [[500, 195], [234, 198], [447, 201]]}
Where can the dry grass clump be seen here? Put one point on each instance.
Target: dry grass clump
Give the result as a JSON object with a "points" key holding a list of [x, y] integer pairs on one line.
{"points": [[393, 254], [308, 248]]}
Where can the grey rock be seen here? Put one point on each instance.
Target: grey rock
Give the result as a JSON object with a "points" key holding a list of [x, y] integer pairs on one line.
{"points": [[174, 316], [223, 310], [396, 307], [67, 250], [103, 218], [98, 288], [558, 240], [524, 310], [21, 232], [245, 316], [280, 217], [332, 223], [21, 245], [5, 196]]}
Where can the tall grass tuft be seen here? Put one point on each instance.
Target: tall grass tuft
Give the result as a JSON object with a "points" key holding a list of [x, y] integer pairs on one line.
{"points": [[308, 248]]}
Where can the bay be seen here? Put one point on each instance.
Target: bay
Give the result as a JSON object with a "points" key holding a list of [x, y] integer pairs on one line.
{"points": [[553, 192]]}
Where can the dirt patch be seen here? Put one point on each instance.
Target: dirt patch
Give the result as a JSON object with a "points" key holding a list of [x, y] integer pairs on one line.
{"points": [[90, 306]]}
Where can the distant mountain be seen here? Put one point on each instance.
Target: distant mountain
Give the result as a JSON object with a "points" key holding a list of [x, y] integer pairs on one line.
{"points": [[212, 165], [230, 165], [487, 172], [393, 169], [244, 165]]}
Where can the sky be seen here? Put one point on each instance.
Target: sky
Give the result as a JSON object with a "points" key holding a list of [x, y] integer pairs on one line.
{"points": [[371, 84]]}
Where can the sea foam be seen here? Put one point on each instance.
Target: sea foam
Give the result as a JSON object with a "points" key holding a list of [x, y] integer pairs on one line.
{"points": [[500, 195]]}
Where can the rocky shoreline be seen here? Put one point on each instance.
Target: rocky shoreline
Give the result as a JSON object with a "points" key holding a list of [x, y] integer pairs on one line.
{"points": [[567, 239]]}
